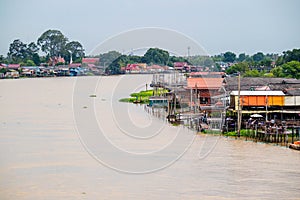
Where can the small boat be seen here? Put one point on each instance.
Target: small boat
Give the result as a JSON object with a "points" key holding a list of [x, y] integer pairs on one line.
{"points": [[295, 146]]}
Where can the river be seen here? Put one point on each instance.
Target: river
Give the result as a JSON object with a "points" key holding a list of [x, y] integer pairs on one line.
{"points": [[70, 138]]}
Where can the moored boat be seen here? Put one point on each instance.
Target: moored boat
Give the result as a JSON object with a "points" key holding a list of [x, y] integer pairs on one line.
{"points": [[295, 145]]}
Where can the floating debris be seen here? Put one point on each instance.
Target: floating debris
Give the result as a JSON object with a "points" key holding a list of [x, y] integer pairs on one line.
{"points": [[93, 95], [85, 107]]}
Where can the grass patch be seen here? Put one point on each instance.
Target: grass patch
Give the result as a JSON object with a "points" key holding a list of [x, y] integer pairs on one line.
{"points": [[208, 131], [243, 133], [147, 93], [142, 96], [127, 100]]}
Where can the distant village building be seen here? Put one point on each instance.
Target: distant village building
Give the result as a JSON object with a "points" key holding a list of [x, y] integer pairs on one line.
{"points": [[90, 62], [74, 65], [205, 85], [272, 97], [135, 68], [11, 73], [55, 60], [180, 66], [14, 66]]}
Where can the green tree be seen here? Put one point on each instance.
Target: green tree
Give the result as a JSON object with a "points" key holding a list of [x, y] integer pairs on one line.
{"points": [[30, 63], [75, 49], [266, 62], [289, 70], [229, 57], [156, 56], [173, 59], [3, 59], [3, 70], [252, 73], [115, 66], [52, 42], [258, 57], [277, 72], [242, 57], [201, 61], [36, 59], [239, 67], [291, 55], [218, 58], [208, 62], [134, 59], [32, 48], [107, 58], [32, 51], [17, 51]]}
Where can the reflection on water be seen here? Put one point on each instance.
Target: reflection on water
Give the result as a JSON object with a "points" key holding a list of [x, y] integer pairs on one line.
{"points": [[42, 156]]}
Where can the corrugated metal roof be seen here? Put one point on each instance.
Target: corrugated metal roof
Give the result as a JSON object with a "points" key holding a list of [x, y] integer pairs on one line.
{"points": [[258, 93]]}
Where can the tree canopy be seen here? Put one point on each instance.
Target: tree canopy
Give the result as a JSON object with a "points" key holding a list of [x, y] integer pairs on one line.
{"points": [[259, 56], [229, 57], [74, 49], [293, 55], [52, 42], [238, 68], [156, 56], [290, 69], [152, 56], [17, 51], [107, 58]]}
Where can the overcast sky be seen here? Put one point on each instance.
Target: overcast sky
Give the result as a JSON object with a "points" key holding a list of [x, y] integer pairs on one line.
{"points": [[217, 25]]}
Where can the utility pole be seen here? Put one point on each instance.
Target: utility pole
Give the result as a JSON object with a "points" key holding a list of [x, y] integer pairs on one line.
{"points": [[191, 100], [239, 106], [266, 108]]}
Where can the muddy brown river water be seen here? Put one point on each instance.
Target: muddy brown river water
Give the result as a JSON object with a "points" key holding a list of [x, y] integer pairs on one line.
{"points": [[59, 141]]}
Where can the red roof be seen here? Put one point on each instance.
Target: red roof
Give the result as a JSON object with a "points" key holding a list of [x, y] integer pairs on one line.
{"points": [[90, 60], [75, 65], [14, 66], [132, 67], [180, 64], [205, 83], [91, 65]]}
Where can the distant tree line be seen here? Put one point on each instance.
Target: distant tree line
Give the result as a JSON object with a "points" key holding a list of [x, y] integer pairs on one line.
{"points": [[153, 56], [260, 65], [52, 43]]}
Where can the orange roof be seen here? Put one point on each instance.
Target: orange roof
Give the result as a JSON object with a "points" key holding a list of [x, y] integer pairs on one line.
{"points": [[204, 83]]}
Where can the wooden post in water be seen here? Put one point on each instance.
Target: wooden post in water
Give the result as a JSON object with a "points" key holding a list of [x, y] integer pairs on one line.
{"points": [[276, 136], [293, 129]]}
